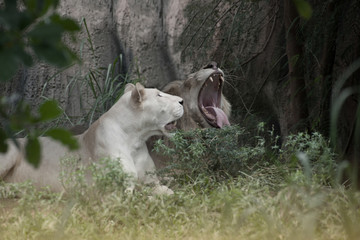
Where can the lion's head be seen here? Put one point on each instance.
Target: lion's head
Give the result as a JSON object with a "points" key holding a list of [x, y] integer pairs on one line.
{"points": [[155, 110], [204, 103]]}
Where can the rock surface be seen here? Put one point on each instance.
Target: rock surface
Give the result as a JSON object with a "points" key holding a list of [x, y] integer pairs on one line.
{"points": [[144, 33]]}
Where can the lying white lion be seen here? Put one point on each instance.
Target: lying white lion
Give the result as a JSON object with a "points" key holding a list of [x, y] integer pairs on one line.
{"points": [[120, 133]]}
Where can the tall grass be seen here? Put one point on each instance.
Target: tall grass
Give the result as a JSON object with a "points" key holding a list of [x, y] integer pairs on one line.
{"points": [[269, 197], [244, 208], [341, 94]]}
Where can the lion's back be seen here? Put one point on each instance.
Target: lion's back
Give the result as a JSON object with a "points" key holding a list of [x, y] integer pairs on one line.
{"points": [[46, 174]]}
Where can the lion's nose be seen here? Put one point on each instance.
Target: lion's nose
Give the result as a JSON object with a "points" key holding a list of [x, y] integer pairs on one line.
{"points": [[181, 102], [212, 65]]}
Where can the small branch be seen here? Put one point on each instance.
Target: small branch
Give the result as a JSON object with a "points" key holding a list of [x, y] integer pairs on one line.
{"points": [[265, 44], [256, 27], [191, 20], [263, 83], [217, 21], [201, 25], [230, 34]]}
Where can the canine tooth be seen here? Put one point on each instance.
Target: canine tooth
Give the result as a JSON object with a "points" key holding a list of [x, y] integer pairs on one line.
{"points": [[204, 109], [211, 79], [222, 78]]}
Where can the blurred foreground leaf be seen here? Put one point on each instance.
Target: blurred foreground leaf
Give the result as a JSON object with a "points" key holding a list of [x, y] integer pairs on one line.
{"points": [[3, 145], [31, 30], [63, 136], [49, 110], [33, 152], [304, 8]]}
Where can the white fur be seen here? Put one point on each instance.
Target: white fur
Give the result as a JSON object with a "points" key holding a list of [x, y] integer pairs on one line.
{"points": [[119, 134]]}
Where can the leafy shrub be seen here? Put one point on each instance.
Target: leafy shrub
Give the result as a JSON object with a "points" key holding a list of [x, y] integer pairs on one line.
{"points": [[314, 152], [231, 151], [211, 152]]}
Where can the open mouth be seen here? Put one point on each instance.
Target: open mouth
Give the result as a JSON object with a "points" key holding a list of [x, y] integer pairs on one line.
{"points": [[171, 126], [209, 101]]}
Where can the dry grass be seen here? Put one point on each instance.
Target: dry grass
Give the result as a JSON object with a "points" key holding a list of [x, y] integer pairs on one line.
{"points": [[243, 208]]}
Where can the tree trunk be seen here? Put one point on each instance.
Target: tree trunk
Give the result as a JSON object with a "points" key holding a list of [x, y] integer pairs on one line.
{"points": [[297, 112], [326, 66]]}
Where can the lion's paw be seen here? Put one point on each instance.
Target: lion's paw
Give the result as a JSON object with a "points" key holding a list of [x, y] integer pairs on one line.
{"points": [[129, 190], [162, 190]]}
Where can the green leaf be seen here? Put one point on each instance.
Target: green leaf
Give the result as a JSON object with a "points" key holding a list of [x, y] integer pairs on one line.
{"points": [[10, 4], [41, 7], [46, 32], [304, 8], [56, 54], [12, 54], [49, 110], [8, 65], [31, 5], [63, 136], [10, 16], [66, 23], [22, 116], [3, 144], [32, 151]]}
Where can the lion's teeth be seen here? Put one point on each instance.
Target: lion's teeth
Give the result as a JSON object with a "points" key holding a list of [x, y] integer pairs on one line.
{"points": [[209, 115], [222, 79], [211, 79], [204, 109]]}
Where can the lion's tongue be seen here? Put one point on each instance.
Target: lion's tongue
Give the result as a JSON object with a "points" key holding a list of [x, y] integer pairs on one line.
{"points": [[221, 118]]}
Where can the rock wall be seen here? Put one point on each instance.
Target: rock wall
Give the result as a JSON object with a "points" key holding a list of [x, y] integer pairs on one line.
{"points": [[144, 33]]}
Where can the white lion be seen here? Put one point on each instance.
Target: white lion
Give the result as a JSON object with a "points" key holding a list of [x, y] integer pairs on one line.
{"points": [[120, 133]]}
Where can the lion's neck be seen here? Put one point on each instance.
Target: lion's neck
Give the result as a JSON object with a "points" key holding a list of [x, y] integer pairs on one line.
{"points": [[130, 125], [116, 130]]}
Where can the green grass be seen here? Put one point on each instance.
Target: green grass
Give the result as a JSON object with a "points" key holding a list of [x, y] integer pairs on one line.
{"points": [[274, 195], [243, 208]]}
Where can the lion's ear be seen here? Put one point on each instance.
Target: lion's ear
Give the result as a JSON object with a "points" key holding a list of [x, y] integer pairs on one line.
{"points": [[137, 94], [173, 88], [129, 87]]}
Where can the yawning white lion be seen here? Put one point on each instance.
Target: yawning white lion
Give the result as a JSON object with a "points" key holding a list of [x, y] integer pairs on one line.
{"points": [[119, 134]]}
